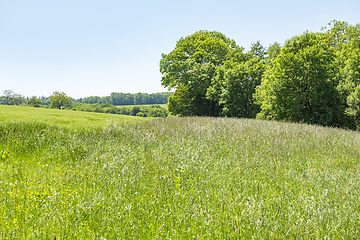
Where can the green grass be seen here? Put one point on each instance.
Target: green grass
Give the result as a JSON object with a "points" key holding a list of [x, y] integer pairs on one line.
{"points": [[65, 118], [179, 178]]}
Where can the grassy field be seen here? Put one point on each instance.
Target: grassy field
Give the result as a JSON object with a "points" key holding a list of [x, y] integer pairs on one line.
{"points": [[179, 178], [64, 118]]}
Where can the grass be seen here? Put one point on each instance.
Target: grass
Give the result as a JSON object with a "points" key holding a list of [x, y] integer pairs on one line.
{"points": [[64, 118], [179, 178]]}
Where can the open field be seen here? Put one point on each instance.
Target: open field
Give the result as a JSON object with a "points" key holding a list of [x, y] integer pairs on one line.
{"points": [[64, 118], [179, 178]]}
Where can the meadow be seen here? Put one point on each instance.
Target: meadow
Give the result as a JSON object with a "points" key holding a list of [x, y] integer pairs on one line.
{"points": [[64, 118], [176, 178]]}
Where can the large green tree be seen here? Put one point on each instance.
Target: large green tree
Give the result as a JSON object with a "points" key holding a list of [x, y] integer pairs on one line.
{"points": [[34, 101], [345, 38], [299, 85], [235, 82], [238, 87], [190, 67], [60, 100]]}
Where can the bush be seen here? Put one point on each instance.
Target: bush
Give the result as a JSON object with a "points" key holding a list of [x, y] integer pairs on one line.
{"points": [[124, 111], [157, 112], [134, 110]]}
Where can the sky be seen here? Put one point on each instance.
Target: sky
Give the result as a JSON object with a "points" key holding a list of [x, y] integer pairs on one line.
{"points": [[93, 48]]}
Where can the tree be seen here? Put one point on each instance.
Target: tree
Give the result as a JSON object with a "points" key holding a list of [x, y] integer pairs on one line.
{"points": [[181, 101], [257, 50], [299, 85], [273, 51], [235, 82], [11, 98], [234, 86], [60, 100], [157, 112], [34, 101], [189, 69], [134, 110]]}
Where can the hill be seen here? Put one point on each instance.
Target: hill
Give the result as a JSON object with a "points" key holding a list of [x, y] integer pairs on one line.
{"points": [[193, 177]]}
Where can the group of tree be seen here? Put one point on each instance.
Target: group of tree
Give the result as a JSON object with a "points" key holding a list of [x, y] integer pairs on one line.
{"points": [[106, 104], [34, 102], [313, 78], [141, 111], [128, 98], [11, 98]]}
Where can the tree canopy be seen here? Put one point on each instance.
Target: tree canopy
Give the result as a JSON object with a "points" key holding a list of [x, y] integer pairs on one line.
{"points": [[11, 98], [60, 100], [299, 85], [189, 69], [314, 78], [34, 101]]}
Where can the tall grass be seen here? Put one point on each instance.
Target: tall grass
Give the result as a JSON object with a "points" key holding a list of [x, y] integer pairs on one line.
{"points": [[179, 178]]}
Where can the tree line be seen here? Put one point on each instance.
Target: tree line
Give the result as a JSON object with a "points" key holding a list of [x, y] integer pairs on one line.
{"points": [[312, 78], [117, 98], [60, 100], [136, 110], [11, 98]]}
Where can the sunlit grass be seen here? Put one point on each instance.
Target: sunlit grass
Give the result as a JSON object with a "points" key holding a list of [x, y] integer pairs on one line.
{"points": [[65, 118], [180, 178]]}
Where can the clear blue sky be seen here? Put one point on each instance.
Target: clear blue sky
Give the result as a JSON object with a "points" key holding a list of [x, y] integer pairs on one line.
{"points": [[87, 47]]}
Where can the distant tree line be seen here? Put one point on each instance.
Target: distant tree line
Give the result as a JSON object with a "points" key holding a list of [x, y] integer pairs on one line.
{"points": [[128, 98], [63, 101], [140, 111], [313, 78], [60, 100]]}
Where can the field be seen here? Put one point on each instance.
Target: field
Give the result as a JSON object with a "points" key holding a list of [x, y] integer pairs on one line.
{"points": [[178, 178], [64, 118]]}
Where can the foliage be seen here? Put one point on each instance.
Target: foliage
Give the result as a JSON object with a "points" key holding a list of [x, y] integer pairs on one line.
{"points": [[147, 111], [190, 67], [234, 85], [60, 100], [11, 98], [127, 98], [34, 101], [178, 178], [273, 51], [157, 112], [346, 40], [4, 154], [314, 78], [299, 85]]}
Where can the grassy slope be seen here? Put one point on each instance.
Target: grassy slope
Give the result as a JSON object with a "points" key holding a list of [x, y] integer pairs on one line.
{"points": [[65, 118], [180, 178]]}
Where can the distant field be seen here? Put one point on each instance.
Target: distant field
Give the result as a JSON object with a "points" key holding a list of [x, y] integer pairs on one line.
{"points": [[66, 118], [175, 178]]}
